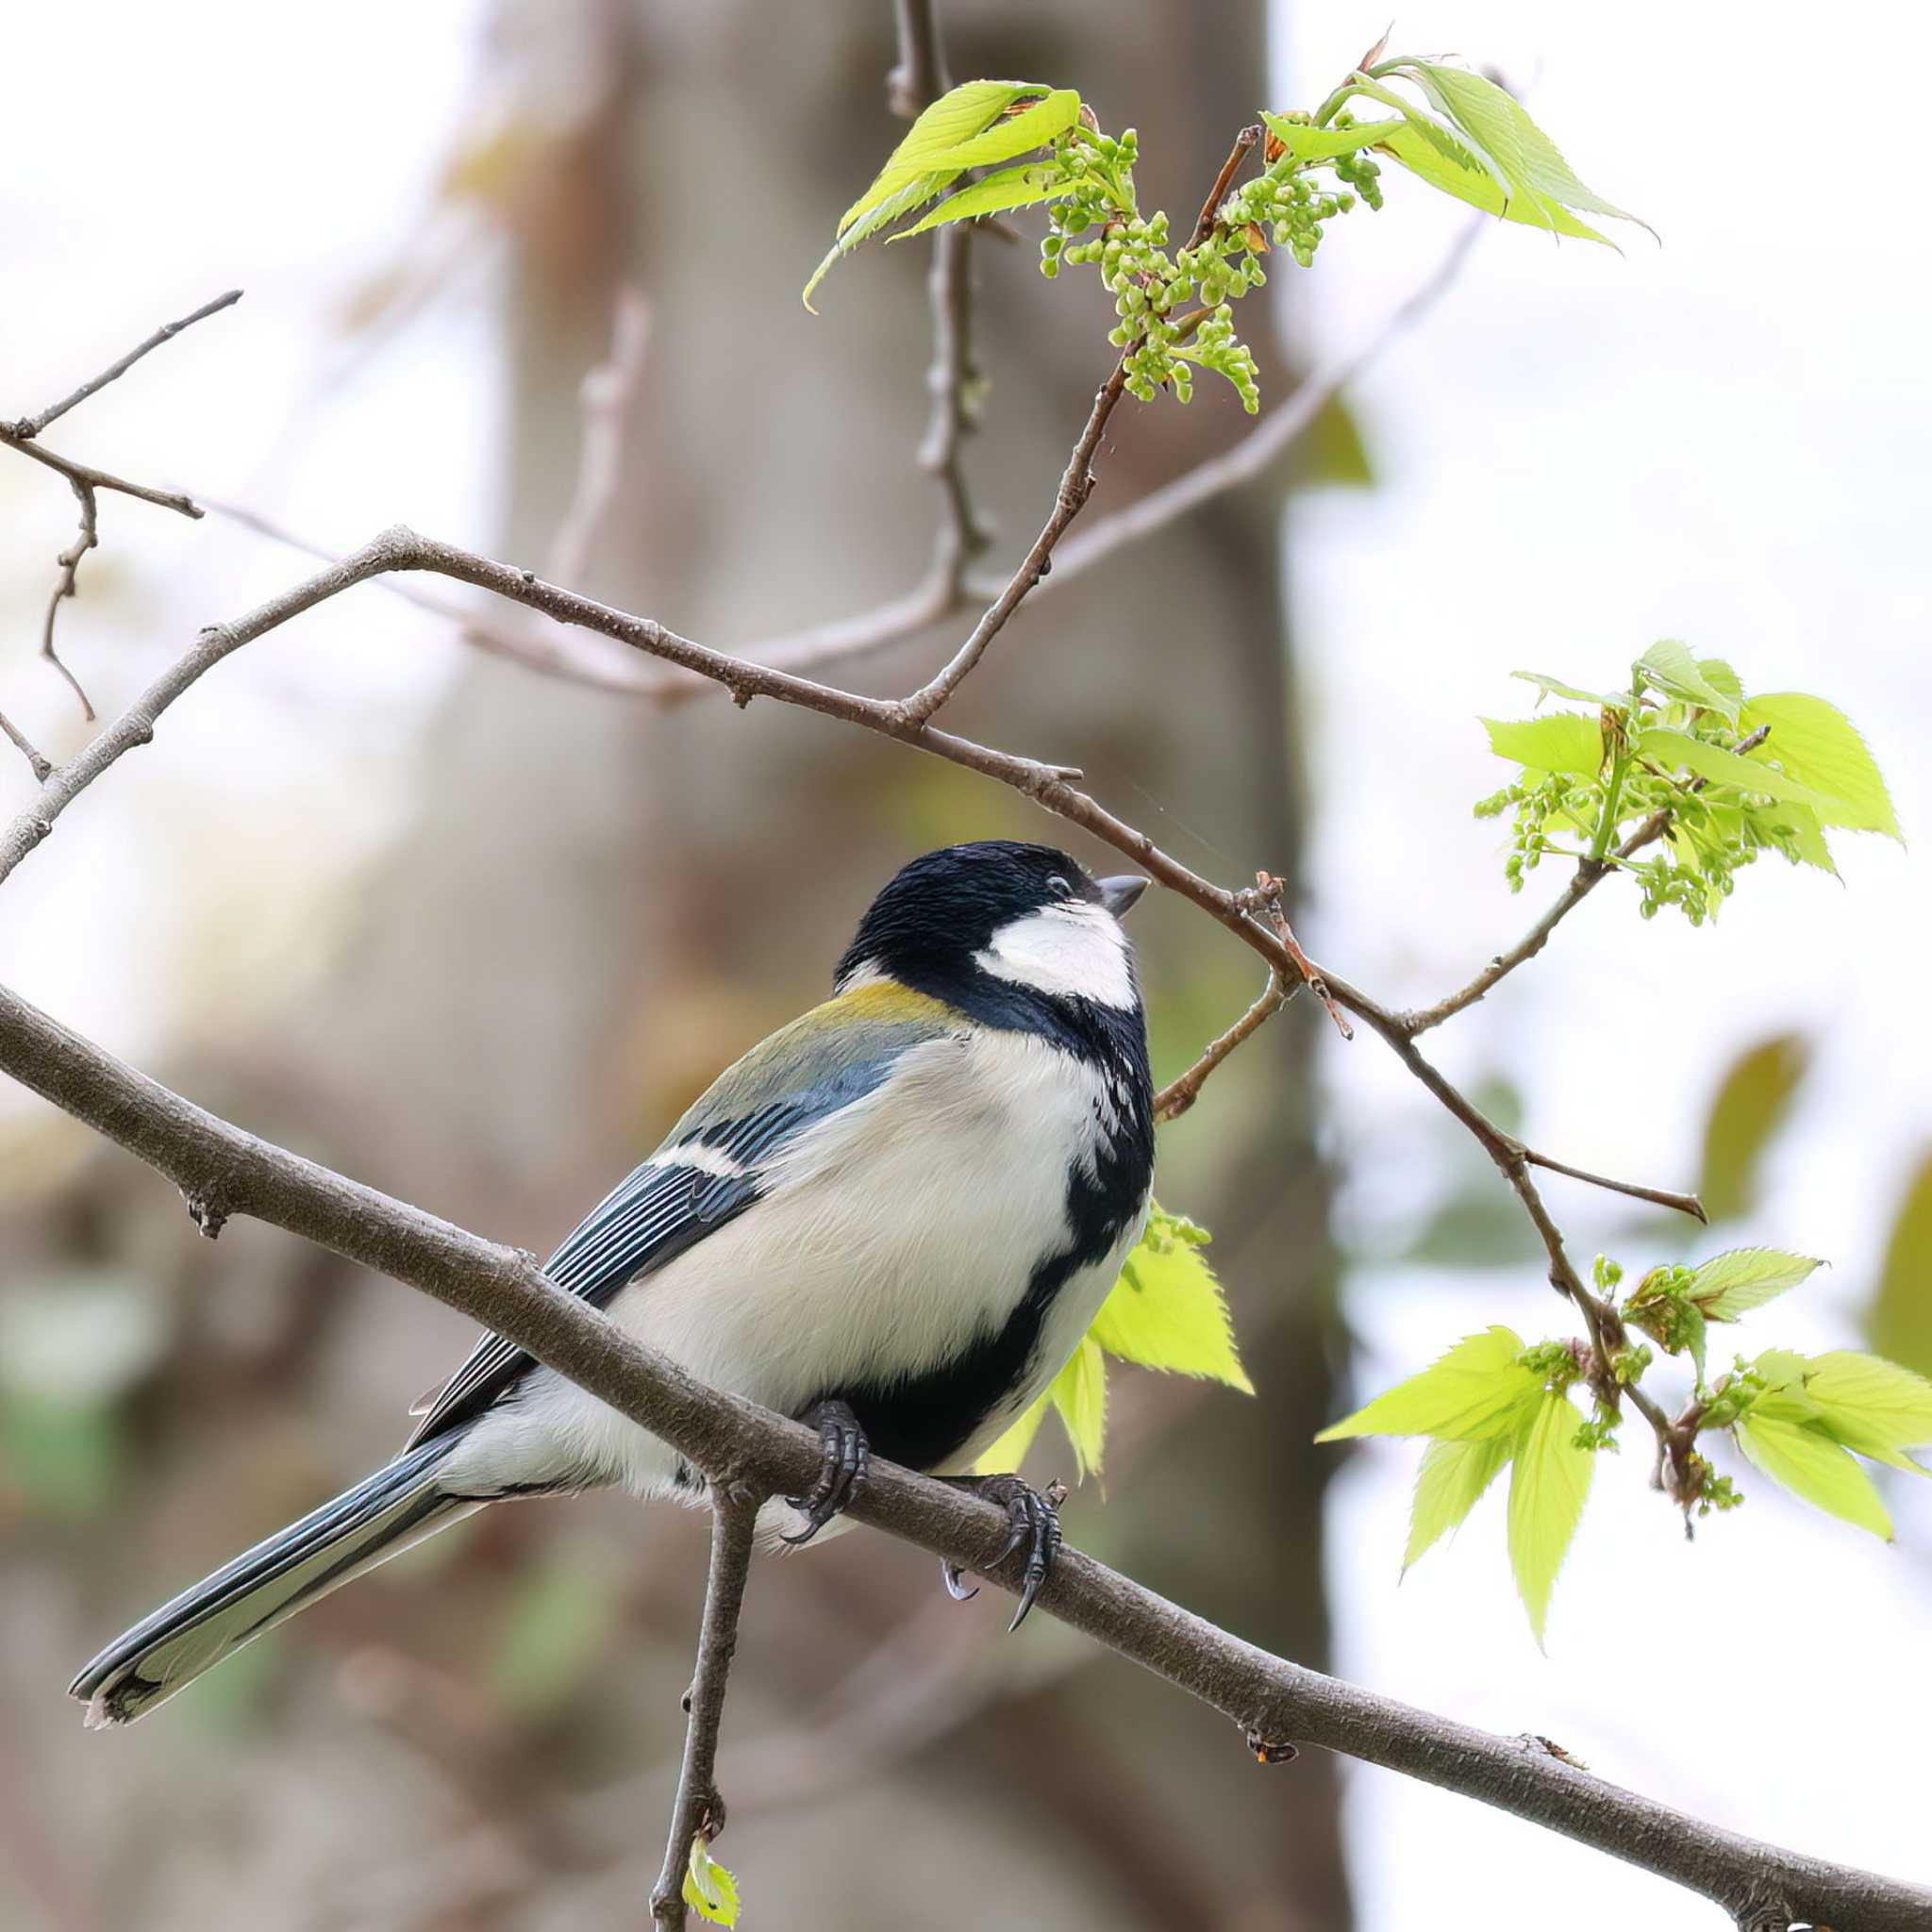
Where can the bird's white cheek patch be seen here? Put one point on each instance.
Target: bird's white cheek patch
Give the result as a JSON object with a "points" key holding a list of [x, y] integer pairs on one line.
{"points": [[1074, 951]]}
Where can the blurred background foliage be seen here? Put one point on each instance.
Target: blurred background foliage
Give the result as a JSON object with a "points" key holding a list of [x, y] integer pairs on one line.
{"points": [[515, 926]]}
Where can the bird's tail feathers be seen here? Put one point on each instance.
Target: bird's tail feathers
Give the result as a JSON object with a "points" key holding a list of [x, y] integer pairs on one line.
{"points": [[380, 1517]]}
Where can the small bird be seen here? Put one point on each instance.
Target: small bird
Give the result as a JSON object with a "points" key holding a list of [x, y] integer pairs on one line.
{"points": [[894, 1220]]}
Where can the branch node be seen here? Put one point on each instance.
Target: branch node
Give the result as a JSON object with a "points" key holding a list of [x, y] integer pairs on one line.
{"points": [[207, 1211], [1268, 1749]]}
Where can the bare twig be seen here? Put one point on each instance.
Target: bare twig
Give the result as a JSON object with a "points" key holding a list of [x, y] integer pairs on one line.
{"points": [[25, 745], [1661, 1198], [1267, 896], [1243, 141], [698, 1809], [1178, 1095], [606, 396], [66, 584], [1076, 485], [27, 427], [79, 474], [1590, 874], [731, 1439]]}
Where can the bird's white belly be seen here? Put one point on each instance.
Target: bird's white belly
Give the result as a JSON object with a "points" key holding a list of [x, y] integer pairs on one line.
{"points": [[894, 1234]]}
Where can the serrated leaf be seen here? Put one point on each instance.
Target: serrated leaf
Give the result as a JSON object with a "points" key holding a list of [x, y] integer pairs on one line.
{"points": [[1079, 1393], [1477, 1391], [1307, 144], [1900, 1321], [1011, 188], [1808, 838], [1751, 1104], [1167, 1313], [710, 1889], [1731, 1284], [1716, 766], [1494, 121], [1870, 1405], [1669, 667], [1448, 1486], [1423, 154], [1801, 1458], [1006, 1455], [1556, 741], [952, 120], [1720, 676], [1547, 1488], [916, 171], [1556, 688], [1820, 747], [1011, 134]]}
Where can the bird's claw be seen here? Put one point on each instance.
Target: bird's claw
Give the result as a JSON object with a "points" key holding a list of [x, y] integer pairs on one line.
{"points": [[1034, 1519], [847, 1460]]}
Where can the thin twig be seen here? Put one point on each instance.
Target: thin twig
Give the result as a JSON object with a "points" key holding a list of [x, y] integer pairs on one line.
{"points": [[1243, 141], [607, 398], [1178, 1095], [1661, 1197], [78, 474], [27, 427], [66, 584], [41, 768], [1590, 874], [1076, 485], [698, 1809], [506, 1292], [1268, 891]]}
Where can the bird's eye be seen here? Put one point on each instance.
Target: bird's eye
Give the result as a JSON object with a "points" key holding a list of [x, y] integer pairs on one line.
{"points": [[1058, 886]]}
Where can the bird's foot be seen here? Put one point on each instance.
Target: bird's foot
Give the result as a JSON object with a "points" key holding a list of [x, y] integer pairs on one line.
{"points": [[846, 1461], [1035, 1517]]}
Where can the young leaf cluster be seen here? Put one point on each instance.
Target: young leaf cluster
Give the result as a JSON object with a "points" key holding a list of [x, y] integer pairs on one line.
{"points": [[1174, 304], [1725, 776], [1492, 1403], [1166, 1312]]}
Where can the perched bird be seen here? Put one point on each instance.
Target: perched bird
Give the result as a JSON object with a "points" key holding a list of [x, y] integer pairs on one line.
{"points": [[893, 1219]]}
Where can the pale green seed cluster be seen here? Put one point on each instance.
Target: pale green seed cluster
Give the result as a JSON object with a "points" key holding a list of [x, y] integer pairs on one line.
{"points": [[1159, 296]]}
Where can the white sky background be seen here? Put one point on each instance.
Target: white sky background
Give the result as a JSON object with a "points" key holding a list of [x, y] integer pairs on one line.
{"points": [[1577, 453]]}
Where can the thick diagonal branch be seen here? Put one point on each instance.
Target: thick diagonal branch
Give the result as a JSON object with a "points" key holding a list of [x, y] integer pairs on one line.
{"points": [[224, 1168]]}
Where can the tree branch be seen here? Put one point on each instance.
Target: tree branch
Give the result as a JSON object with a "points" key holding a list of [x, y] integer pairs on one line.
{"points": [[220, 1166], [27, 427], [699, 1811], [1178, 1095]]}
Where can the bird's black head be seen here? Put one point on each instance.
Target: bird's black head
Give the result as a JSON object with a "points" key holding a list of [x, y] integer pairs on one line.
{"points": [[997, 927]]}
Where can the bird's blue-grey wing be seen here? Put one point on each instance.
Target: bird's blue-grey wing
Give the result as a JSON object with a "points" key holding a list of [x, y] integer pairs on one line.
{"points": [[711, 1165]]}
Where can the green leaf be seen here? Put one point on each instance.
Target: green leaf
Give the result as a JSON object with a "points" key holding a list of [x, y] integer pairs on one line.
{"points": [[709, 1889], [1695, 1337], [1716, 766], [1547, 1488], [1167, 1313], [1807, 839], [1556, 741], [1307, 144], [1820, 747], [1011, 188], [1493, 121], [1731, 1284], [1477, 1391], [918, 168], [1720, 676], [1079, 1393], [1900, 1320], [1012, 134], [1751, 1102], [1801, 1458], [1006, 1455], [1453, 1477], [1870, 1405], [1669, 667], [1556, 688], [1422, 154]]}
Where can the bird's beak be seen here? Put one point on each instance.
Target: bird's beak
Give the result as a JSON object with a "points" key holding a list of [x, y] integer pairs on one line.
{"points": [[1118, 895]]}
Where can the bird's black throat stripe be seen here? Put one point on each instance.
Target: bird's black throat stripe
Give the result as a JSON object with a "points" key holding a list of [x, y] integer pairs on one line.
{"points": [[922, 1420]]}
